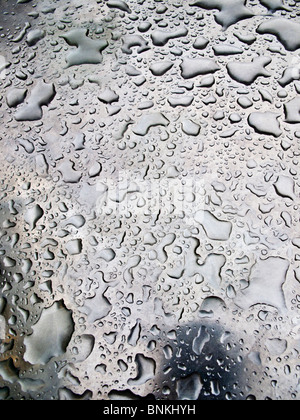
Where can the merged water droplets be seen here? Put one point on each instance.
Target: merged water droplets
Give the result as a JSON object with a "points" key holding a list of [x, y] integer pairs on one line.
{"points": [[149, 200]]}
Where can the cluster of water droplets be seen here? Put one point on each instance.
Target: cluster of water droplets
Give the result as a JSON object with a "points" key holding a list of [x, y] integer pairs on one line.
{"points": [[149, 199]]}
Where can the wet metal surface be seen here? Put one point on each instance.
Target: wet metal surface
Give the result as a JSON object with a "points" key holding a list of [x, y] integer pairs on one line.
{"points": [[149, 199]]}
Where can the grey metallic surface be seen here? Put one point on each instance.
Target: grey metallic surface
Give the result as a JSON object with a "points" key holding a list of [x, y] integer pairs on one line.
{"points": [[149, 199]]}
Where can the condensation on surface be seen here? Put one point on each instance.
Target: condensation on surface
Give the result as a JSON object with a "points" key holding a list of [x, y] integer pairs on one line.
{"points": [[150, 242]]}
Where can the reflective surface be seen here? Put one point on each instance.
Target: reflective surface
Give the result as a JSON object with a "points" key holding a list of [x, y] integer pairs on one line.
{"points": [[149, 199]]}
